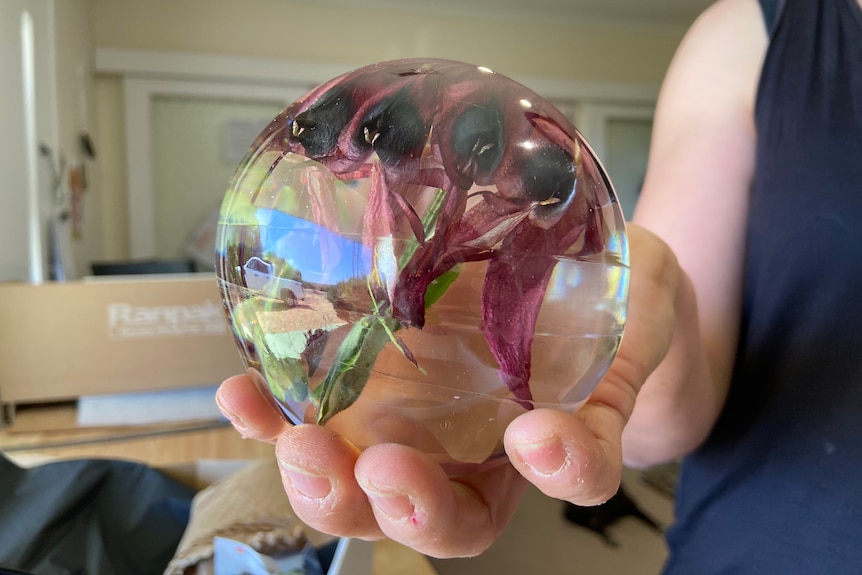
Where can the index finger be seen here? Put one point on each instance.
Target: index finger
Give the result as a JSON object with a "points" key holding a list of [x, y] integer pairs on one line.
{"points": [[250, 407]]}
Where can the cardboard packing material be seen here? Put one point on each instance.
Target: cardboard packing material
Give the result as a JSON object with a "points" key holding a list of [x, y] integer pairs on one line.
{"points": [[60, 341], [245, 501]]}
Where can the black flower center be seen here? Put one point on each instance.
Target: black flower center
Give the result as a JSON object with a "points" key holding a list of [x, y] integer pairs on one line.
{"points": [[318, 127], [548, 175], [394, 129], [478, 139]]}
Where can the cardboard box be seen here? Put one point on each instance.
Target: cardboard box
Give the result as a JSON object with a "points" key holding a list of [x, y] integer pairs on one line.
{"points": [[60, 341]]}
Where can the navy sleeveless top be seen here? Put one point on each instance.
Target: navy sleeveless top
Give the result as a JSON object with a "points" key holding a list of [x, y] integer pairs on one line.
{"points": [[777, 487]]}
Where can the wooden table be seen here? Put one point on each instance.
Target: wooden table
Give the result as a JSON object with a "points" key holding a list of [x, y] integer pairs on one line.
{"points": [[51, 432]]}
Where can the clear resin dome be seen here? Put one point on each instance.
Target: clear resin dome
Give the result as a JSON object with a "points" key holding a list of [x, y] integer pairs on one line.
{"points": [[417, 252]]}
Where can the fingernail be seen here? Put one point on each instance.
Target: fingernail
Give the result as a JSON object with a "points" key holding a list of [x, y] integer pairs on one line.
{"points": [[395, 505], [309, 485], [544, 457], [235, 420], [262, 388]]}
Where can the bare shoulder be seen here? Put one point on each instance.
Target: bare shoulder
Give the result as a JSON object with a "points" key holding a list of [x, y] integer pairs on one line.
{"points": [[703, 136], [732, 31], [719, 60]]}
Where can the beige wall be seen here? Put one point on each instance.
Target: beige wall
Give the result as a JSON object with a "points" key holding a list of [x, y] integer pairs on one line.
{"points": [[319, 32], [305, 31]]}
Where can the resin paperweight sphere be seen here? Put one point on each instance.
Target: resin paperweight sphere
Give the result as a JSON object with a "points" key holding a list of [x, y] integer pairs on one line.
{"points": [[419, 251]]}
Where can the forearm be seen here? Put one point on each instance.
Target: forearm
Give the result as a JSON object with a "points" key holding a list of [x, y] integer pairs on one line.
{"points": [[680, 401]]}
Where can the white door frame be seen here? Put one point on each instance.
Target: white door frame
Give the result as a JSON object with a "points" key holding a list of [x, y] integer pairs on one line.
{"points": [[593, 120], [140, 94]]}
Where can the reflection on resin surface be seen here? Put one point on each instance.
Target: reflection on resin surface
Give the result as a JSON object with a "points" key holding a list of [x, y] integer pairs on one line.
{"points": [[417, 252]]}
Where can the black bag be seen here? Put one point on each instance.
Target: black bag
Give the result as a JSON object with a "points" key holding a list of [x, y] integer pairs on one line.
{"points": [[89, 517]]}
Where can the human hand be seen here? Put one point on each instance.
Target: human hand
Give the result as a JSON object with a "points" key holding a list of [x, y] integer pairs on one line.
{"points": [[395, 491]]}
